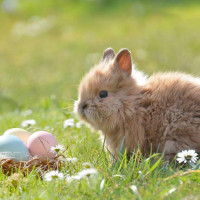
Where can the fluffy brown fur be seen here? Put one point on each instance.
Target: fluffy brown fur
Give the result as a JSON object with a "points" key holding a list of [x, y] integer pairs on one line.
{"points": [[162, 116]]}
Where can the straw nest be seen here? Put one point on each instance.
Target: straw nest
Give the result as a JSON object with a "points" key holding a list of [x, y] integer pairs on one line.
{"points": [[39, 164]]}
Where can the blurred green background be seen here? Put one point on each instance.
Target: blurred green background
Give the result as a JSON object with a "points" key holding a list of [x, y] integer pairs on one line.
{"points": [[47, 46]]}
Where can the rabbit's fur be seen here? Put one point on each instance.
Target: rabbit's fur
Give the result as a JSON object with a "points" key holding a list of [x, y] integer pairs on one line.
{"points": [[163, 115]]}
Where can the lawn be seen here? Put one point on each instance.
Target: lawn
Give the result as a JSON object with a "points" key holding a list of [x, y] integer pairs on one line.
{"points": [[47, 46]]}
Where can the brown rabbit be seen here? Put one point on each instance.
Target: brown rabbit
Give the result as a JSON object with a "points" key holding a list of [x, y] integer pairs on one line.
{"points": [[163, 115]]}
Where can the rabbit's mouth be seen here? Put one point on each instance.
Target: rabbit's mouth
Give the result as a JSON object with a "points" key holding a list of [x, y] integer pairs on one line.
{"points": [[87, 112], [81, 108]]}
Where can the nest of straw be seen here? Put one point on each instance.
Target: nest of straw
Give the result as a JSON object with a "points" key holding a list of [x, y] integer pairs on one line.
{"points": [[40, 164]]}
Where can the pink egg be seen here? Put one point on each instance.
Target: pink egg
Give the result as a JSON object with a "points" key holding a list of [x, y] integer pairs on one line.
{"points": [[39, 143]]}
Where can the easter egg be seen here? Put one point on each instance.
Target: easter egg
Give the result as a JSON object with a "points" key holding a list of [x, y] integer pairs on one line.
{"points": [[13, 147], [20, 133], [40, 143]]}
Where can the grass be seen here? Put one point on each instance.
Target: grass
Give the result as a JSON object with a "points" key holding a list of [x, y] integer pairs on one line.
{"points": [[42, 73]]}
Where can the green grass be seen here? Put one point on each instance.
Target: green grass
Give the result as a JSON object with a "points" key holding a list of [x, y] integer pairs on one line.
{"points": [[162, 36]]}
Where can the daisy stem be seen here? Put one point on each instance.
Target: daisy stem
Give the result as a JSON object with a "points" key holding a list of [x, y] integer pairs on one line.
{"points": [[181, 174]]}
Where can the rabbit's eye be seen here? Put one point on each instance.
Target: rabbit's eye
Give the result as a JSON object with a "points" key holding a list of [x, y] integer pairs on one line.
{"points": [[103, 94]]}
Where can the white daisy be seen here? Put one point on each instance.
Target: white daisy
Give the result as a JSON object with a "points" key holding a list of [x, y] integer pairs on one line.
{"points": [[134, 189], [68, 123], [53, 175], [69, 179], [79, 124], [72, 160], [26, 123], [87, 165], [27, 112], [82, 174], [57, 149], [87, 172], [187, 155]]}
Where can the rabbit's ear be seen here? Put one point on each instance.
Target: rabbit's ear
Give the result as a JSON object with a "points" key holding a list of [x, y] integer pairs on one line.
{"points": [[108, 54], [123, 60]]}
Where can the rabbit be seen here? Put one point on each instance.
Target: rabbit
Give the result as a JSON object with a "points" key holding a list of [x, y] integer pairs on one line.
{"points": [[161, 115]]}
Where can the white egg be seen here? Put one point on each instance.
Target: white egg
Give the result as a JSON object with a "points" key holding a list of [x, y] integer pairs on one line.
{"points": [[20, 133]]}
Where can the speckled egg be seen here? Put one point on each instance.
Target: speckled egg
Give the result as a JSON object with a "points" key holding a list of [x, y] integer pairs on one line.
{"points": [[20, 133], [39, 144], [13, 147]]}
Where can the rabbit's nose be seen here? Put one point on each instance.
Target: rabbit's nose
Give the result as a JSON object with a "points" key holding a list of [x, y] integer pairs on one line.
{"points": [[84, 105]]}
